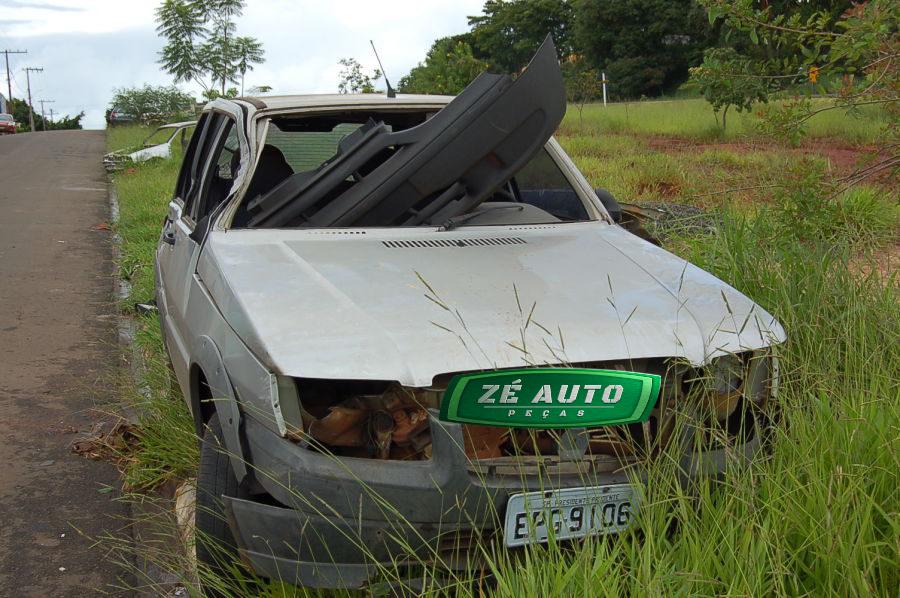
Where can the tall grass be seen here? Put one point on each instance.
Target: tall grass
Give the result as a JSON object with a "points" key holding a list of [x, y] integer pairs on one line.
{"points": [[126, 136], [695, 118], [819, 516]]}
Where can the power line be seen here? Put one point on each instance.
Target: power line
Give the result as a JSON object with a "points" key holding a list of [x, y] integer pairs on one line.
{"points": [[28, 70], [8, 77], [44, 118]]}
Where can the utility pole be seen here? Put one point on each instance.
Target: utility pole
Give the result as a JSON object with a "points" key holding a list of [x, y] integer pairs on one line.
{"points": [[28, 70], [51, 115], [8, 78], [44, 118]]}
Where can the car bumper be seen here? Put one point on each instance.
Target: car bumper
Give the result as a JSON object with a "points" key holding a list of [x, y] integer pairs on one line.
{"points": [[342, 522]]}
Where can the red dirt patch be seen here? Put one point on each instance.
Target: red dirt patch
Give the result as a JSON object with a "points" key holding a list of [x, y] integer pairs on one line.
{"points": [[843, 158], [660, 189]]}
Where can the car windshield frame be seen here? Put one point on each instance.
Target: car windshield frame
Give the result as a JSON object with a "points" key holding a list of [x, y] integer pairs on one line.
{"points": [[262, 124]]}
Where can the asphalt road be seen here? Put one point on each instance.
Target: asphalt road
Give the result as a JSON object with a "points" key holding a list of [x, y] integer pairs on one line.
{"points": [[57, 357]]}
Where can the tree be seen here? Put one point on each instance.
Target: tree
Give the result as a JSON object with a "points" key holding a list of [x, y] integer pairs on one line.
{"points": [[856, 49], [728, 79], [583, 84], [248, 51], [202, 43], [644, 46], [507, 33], [354, 80], [449, 66], [19, 111], [153, 103]]}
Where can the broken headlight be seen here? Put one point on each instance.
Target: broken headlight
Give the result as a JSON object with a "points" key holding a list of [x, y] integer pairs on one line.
{"points": [[370, 419], [732, 394]]}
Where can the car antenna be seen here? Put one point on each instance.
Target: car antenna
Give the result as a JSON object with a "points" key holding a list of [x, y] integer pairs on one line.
{"points": [[390, 90]]}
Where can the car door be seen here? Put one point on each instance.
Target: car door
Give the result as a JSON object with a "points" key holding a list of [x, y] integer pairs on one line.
{"points": [[178, 249], [208, 178]]}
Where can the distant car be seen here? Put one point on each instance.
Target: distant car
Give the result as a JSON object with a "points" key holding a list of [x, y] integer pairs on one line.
{"points": [[157, 145], [117, 116], [7, 124]]}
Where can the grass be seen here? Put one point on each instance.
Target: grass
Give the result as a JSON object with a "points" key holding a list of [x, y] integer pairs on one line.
{"points": [[126, 136], [819, 516], [695, 119]]}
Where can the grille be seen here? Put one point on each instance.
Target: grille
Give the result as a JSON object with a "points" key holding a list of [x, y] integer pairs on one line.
{"points": [[528, 453], [436, 243]]}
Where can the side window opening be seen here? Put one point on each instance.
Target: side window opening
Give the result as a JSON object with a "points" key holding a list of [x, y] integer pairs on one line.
{"points": [[188, 174], [224, 165], [543, 185], [191, 178]]}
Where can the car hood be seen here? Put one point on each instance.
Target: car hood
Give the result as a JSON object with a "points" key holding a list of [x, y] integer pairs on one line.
{"points": [[409, 305]]}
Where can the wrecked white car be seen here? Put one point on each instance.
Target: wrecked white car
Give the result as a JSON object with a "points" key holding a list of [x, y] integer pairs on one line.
{"points": [[406, 325], [157, 145]]}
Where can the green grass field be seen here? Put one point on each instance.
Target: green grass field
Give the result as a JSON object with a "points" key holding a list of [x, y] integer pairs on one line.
{"points": [[819, 517], [695, 119]]}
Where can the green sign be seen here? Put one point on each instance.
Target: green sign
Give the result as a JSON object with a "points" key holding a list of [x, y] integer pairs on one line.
{"points": [[550, 398]]}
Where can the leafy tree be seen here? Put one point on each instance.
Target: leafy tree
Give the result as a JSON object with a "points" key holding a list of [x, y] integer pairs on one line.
{"points": [[859, 48], [19, 111], [248, 51], [508, 32], [212, 94], [153, 103], [728, 79], [449, 66], [583, 84], [202, 43], [354, 80], [181, 23], [644, 46]]}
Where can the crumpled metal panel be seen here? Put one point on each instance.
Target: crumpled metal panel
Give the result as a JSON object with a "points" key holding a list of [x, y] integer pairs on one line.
{"points": [[347, 307]]}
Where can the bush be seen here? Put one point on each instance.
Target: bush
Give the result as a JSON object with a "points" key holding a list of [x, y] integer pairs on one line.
{"points": [[154, 104]]}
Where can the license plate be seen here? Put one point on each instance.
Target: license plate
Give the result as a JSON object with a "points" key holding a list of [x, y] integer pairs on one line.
{"points": [[568, 513]]}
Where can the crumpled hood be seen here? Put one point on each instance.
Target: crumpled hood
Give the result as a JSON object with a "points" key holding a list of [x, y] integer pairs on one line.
{"points": [[395, 305]]}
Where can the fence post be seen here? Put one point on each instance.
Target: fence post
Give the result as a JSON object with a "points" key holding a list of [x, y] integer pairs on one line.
{"points": [[603, 79]]}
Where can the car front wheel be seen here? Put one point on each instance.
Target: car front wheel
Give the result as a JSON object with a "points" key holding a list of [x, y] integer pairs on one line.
{"points": [[216, 549]]}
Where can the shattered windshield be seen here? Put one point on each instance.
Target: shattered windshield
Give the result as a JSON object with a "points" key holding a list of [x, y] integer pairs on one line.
{"points": [[539, 193], [405, 167]]}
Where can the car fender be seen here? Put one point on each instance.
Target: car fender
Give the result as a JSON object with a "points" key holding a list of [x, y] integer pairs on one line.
{"points": [[209, 360]]}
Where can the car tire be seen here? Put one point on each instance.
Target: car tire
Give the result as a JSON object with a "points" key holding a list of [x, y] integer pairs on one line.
{"points": [[214, 543]]}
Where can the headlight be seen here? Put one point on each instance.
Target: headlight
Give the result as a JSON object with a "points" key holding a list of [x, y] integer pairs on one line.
{"points": [[726, 380]]}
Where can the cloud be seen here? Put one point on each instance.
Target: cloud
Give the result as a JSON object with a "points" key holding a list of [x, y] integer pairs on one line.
{"points": [[85, 55], [42, 6]]}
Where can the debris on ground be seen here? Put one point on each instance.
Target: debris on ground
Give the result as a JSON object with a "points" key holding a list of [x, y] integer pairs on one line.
{"points": [[663, 219], [143, 309], [107, 441]]}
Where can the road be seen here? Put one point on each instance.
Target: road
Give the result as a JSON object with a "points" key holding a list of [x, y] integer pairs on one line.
{"points": [[58, 357]]}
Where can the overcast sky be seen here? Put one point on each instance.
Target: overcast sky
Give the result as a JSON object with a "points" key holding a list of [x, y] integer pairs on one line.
{"points": [[89, 47]]}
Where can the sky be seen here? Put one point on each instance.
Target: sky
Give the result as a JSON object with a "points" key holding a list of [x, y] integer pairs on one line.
{"points": [[88, 48]]}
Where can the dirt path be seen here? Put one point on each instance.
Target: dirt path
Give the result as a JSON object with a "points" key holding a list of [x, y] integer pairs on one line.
{"points": [[57, 354]]}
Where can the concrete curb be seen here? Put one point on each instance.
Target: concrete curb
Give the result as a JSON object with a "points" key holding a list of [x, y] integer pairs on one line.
{"points": [[183, 502]]}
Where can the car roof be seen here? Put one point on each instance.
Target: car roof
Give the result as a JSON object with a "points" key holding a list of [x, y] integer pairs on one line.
{"points": [[286, 102]]}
